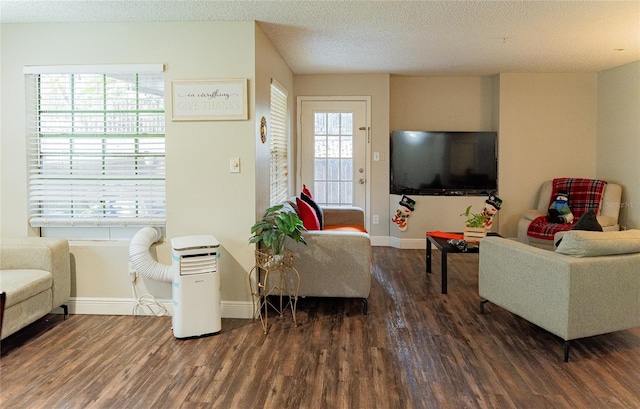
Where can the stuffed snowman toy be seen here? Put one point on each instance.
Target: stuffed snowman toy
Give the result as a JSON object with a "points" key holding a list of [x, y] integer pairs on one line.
{"points": [[559, 211]]}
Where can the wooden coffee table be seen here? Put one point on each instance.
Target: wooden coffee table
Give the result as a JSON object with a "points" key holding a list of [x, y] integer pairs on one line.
{"points": [[445, 248]]}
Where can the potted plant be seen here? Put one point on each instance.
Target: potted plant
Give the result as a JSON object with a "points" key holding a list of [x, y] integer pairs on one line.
{"points": [[475, 225], [272, 230]]}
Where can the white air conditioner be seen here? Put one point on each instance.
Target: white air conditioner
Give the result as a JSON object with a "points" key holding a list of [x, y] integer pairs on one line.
{"points": [[196, 286]]}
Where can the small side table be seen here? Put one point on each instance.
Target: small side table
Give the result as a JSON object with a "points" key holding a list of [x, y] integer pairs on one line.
{"points": [[441, 243], [279, 278]]}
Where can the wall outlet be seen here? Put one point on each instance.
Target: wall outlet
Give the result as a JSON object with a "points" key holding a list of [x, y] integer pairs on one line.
{"points": [[375, 219]]}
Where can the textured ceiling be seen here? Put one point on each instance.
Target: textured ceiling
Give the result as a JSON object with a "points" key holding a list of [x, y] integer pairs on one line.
{"points": [[397, 37]]}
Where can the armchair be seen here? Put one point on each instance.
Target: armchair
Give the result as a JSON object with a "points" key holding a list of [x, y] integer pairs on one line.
{"points": [[607, 215]]}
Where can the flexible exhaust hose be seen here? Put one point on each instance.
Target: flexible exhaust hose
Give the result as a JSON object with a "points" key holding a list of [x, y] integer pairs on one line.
{"points": [[140, 257]]}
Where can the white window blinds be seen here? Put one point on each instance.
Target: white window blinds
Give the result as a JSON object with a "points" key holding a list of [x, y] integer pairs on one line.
{"points": [[278, 144], [96, 146]]}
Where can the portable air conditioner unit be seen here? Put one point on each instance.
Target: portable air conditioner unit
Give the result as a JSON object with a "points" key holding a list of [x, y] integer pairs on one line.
{"points": [[196, 286]]}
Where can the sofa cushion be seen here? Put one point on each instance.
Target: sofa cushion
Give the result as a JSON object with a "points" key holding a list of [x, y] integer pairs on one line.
{"points": [[21, 285], [347, 227], [579, 243]]}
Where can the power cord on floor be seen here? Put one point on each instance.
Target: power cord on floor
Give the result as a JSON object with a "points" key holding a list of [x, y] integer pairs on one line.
{"points": [[148, 301]]}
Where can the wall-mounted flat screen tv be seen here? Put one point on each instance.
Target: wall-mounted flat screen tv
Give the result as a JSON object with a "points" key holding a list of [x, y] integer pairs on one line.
{"points": [[443, 163]]}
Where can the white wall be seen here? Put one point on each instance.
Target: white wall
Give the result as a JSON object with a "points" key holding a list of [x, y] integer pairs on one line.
{"points": [[619, 136], [203, 197]]}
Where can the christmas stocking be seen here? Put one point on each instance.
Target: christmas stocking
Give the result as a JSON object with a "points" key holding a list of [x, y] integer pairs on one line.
{"points": [[491, 207], [404, 211]]}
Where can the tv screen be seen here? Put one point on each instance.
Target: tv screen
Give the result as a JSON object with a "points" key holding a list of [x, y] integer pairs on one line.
{"points": [[443, 163]]}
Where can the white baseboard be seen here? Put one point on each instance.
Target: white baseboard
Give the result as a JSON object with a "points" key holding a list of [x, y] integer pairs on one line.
{"points": [[229, 309], [399, 243], [412, 244], [124, 306]]}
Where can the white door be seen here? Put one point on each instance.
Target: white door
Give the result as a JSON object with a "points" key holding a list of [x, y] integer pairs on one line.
{"points": [[333, 151]]}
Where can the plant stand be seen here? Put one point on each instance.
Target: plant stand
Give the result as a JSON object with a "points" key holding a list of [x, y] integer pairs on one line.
{"points": [[274, 275]]}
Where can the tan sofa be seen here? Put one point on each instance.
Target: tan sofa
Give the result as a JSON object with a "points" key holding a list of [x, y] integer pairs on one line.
{"points": [[35, 275], [587, 291], [607, 215], [335, 263]]}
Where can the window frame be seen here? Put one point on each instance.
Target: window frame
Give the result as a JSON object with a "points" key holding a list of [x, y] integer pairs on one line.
{"points": [[122, 174]]}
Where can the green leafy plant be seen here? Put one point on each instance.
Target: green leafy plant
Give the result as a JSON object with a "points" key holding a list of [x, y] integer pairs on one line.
{"points": [[275, 226], [474, 219]]}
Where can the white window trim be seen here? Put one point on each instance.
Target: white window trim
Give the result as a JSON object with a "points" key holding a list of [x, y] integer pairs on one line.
{"points": [[96, 229]]}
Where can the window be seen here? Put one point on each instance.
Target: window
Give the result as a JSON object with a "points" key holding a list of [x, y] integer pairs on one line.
{"points": [[278, 145], [333, 157], [96, 146]]}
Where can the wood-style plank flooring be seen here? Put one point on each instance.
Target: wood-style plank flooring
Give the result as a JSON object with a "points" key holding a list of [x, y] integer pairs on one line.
{"points": [[417, 348]]}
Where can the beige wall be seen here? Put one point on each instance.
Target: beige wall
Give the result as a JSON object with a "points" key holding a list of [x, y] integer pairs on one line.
{"points": [[441, 103], [377, 87], [269, 65], [203, 197], [438, 104], [547, 128], [549, 125], [618, 145]]}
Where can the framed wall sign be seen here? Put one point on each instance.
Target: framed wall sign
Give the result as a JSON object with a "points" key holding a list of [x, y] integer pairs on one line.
{"points": [[209, 100]]}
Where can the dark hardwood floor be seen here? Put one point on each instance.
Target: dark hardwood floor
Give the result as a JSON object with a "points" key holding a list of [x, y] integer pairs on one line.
{"points": [[417, 348]]}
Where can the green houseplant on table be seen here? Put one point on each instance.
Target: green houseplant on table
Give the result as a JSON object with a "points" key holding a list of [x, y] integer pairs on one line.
{"points": [[475, 225], [271, 231]]}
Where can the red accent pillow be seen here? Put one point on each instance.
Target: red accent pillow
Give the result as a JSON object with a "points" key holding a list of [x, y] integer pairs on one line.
{"points": [[307, 215], [317, 209], [306, 191]]}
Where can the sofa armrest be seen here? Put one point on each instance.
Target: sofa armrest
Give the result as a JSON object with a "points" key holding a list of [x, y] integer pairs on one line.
{"points": [[532, 214], [39, 253], [349, 215], [606, 221], [333, 263]]}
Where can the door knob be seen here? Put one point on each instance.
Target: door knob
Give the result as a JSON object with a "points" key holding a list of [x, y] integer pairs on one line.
{"points": [[361, 181]]}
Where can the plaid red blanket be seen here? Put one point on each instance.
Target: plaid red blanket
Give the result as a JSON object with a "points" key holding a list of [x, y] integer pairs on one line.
{"points": [[584, 194]]}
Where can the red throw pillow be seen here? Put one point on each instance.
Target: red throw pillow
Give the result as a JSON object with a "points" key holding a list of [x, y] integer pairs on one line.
{"points": [[307, 215], [306, 191], [317, 209]]}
